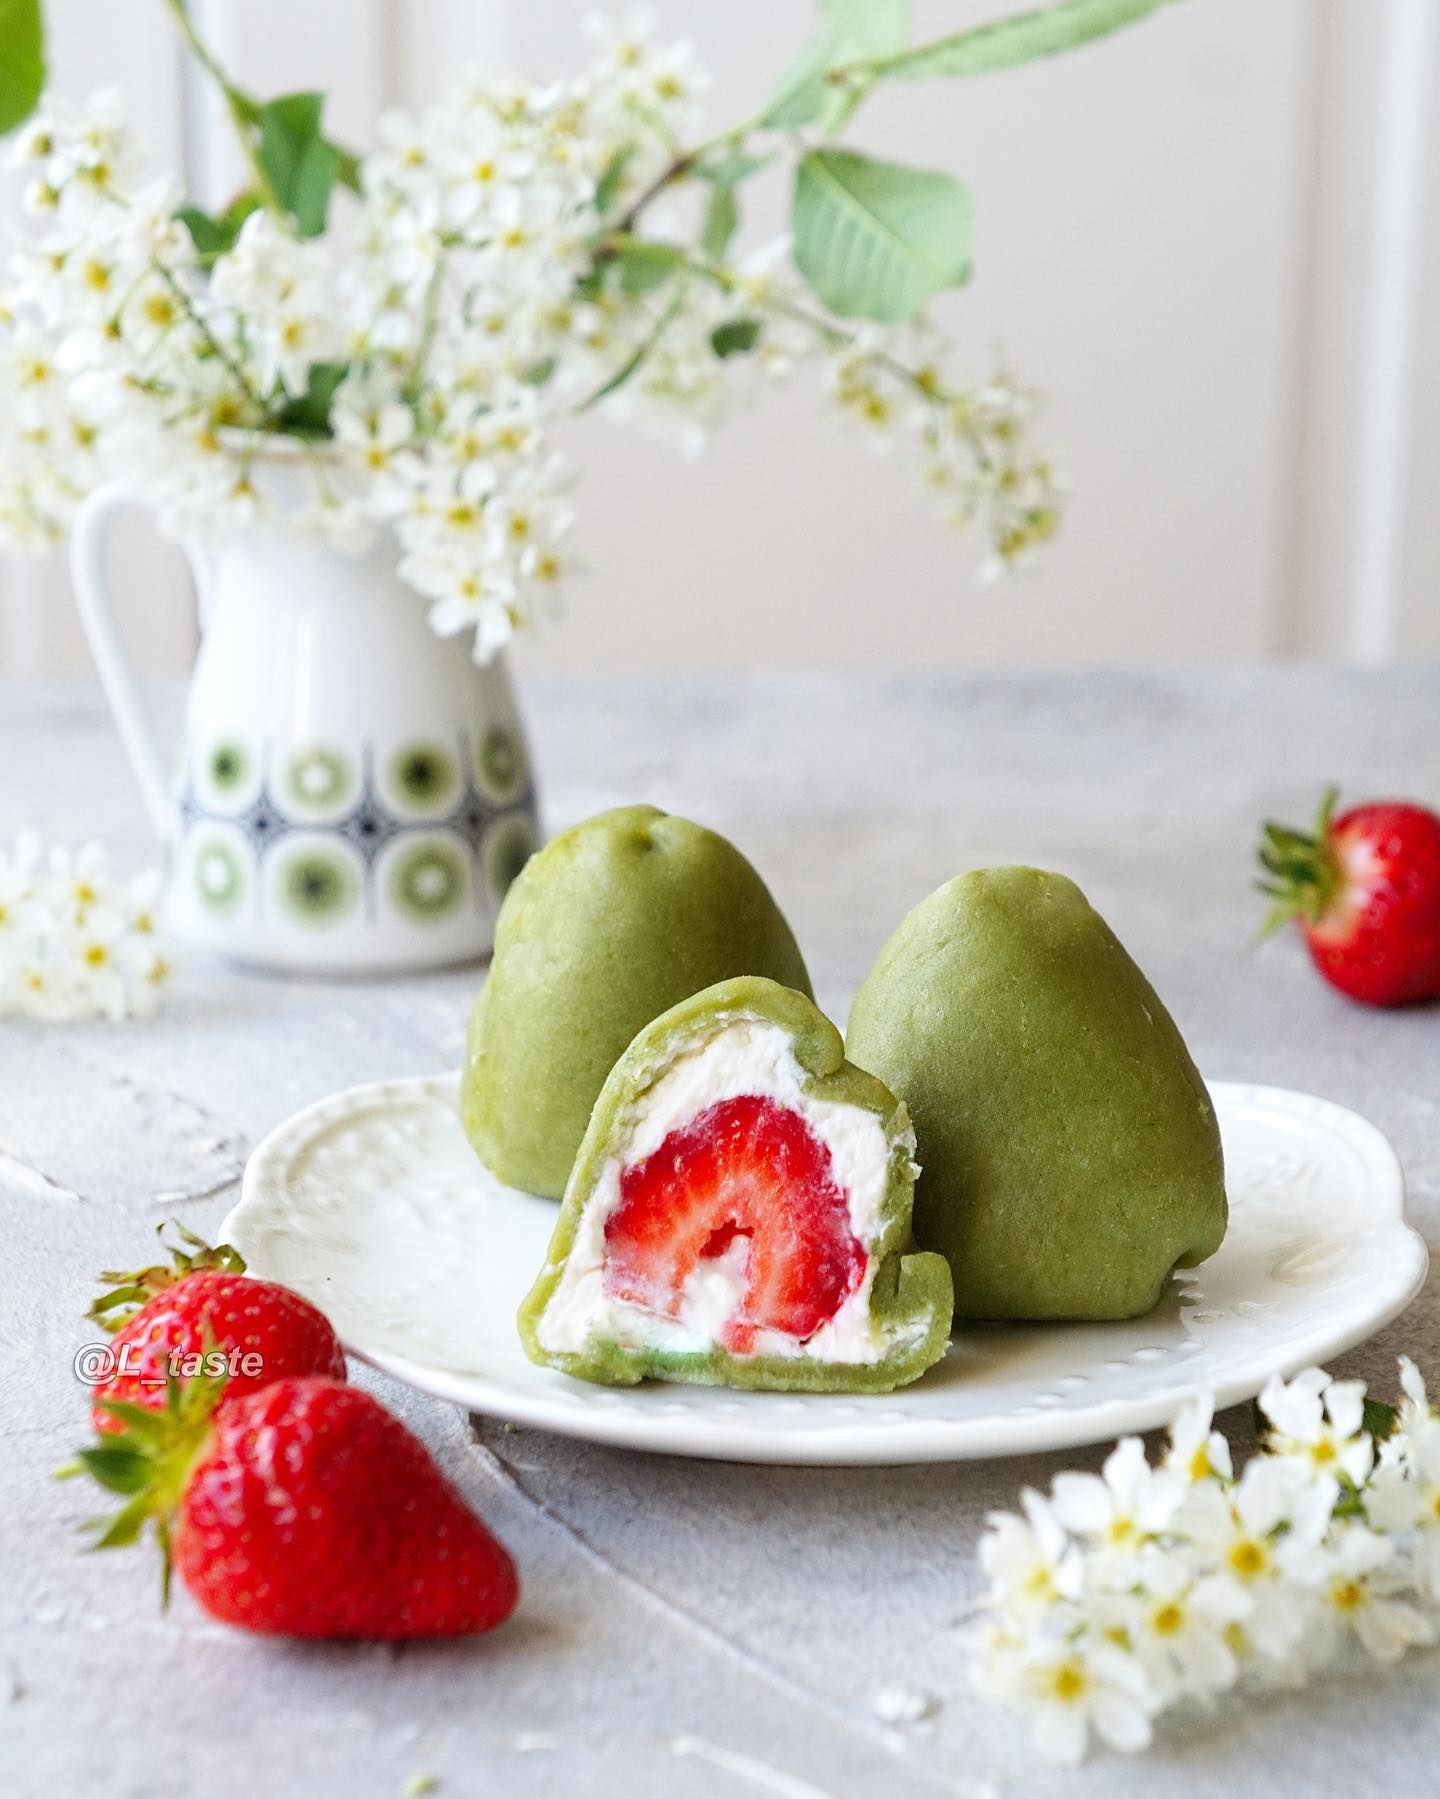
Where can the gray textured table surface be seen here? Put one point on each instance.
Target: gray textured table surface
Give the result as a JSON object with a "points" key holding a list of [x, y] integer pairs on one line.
{"points": [[686, 1627]]}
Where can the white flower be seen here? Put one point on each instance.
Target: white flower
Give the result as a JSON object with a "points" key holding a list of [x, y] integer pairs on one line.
{"points": [[1319, 1423], [1357, 1588], [1178, 1623], [1030, 1562], [74, 943], [1196, 1450], [1069, 1689], [1116, 1511], [1239, 1534]]}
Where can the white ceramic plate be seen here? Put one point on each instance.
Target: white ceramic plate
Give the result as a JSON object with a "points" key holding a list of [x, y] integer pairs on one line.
{"points": [[372, 1205]]}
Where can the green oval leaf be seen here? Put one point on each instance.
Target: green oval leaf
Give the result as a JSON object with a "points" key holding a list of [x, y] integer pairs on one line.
{"points": [[303, 166], [876, 240], [22, 61], [1024, 37]]}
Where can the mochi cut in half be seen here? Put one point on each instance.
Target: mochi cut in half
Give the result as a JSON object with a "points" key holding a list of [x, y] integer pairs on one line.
{"points": [[739, 1213]]}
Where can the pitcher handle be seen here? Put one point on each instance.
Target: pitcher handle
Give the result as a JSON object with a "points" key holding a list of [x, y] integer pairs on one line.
{"points": [[89, 542]]}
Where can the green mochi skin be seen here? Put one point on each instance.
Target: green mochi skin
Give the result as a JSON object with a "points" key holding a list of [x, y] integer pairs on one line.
{"points": [[910, 1293], [608, 926], [1069, 1151]]}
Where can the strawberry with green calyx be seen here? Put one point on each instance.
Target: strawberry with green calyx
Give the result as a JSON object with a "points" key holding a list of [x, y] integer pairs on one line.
{"points": [[129, 1290], [1364, 889], [302, 1510], [210, 1319]]}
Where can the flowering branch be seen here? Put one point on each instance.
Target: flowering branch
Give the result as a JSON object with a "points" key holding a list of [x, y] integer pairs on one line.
{"points": [[508, 262], [1124, 1594]]}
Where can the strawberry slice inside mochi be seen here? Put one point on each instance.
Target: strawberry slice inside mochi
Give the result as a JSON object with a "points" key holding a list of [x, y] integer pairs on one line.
{"points": [[746, 1170]]}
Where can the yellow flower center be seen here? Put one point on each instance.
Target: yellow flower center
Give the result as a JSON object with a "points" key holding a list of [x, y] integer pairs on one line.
{"points": [[96, 954], [1200, 1468], [1069, 1682], [1322, 1452], [1040, 1584], [1249, 1558], [1348, 1595], [1166, 1620]]}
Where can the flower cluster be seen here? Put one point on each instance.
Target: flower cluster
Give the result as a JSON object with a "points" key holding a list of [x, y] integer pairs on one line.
{"points": [[405, 368], [75, 943], [1122, 1594]]}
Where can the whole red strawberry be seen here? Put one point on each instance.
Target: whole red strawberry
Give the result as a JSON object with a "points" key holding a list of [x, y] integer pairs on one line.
{"points": [[1365, 890], [253, 1330], [304, 1510]]}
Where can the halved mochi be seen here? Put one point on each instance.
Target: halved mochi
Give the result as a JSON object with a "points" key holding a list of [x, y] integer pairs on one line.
{"points": [[739, 1213]]}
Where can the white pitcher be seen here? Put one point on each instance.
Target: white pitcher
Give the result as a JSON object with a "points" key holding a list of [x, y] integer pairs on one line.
{"points": [[354, 794]]}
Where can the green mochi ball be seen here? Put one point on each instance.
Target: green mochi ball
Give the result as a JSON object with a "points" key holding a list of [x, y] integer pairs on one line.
{"points": [[1069, 1153], [607, 927]]}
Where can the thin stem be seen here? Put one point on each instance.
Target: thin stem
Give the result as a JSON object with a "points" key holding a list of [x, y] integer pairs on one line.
{"points": [[202, 325], [240, 107], [681, 165]]}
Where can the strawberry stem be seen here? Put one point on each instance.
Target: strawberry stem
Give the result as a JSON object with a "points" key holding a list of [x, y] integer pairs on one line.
{"points": [[149, 1461], [1301, 873], [114, 1309]]}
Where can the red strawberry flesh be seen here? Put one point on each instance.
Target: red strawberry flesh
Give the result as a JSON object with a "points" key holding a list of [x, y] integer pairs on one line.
{"points": [[750, 1170]]}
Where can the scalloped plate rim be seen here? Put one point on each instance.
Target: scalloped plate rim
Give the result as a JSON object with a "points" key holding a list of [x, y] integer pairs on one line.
{"points": [[881, 1441]]}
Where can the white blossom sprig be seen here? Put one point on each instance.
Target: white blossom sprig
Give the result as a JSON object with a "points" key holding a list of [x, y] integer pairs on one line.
{"points": [[513, 255], [1123, 1594], [75, 942]]}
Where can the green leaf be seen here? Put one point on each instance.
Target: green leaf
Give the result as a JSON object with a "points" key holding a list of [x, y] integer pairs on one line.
{"points": [[611, 176], [1378, 1418], [722, 216], [1024, 37], [303, 166], [735, 337], [852, 31], [216, 234], [730, 171], [644, 264], [22, 61], [348, 173], [117, 1468], [876, 240], [308, 414]]}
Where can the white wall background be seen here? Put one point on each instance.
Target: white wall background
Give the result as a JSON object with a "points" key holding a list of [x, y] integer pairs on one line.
{"points": [[1179, 237]]}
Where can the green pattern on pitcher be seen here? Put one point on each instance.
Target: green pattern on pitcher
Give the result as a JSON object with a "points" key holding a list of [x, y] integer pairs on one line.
{"points": [[509, 845], [318, 778], [228, 766], [219, 875], [423, 777], [318, 886], [499, 763], [430, 881]]}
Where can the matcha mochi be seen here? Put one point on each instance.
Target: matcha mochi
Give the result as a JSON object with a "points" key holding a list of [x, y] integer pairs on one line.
{"points": [[608, 926], [1069, 1151], [739, 1213]]}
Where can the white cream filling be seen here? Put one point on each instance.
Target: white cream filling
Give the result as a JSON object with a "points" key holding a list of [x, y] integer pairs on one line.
{"points": [[743, 1055]]}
